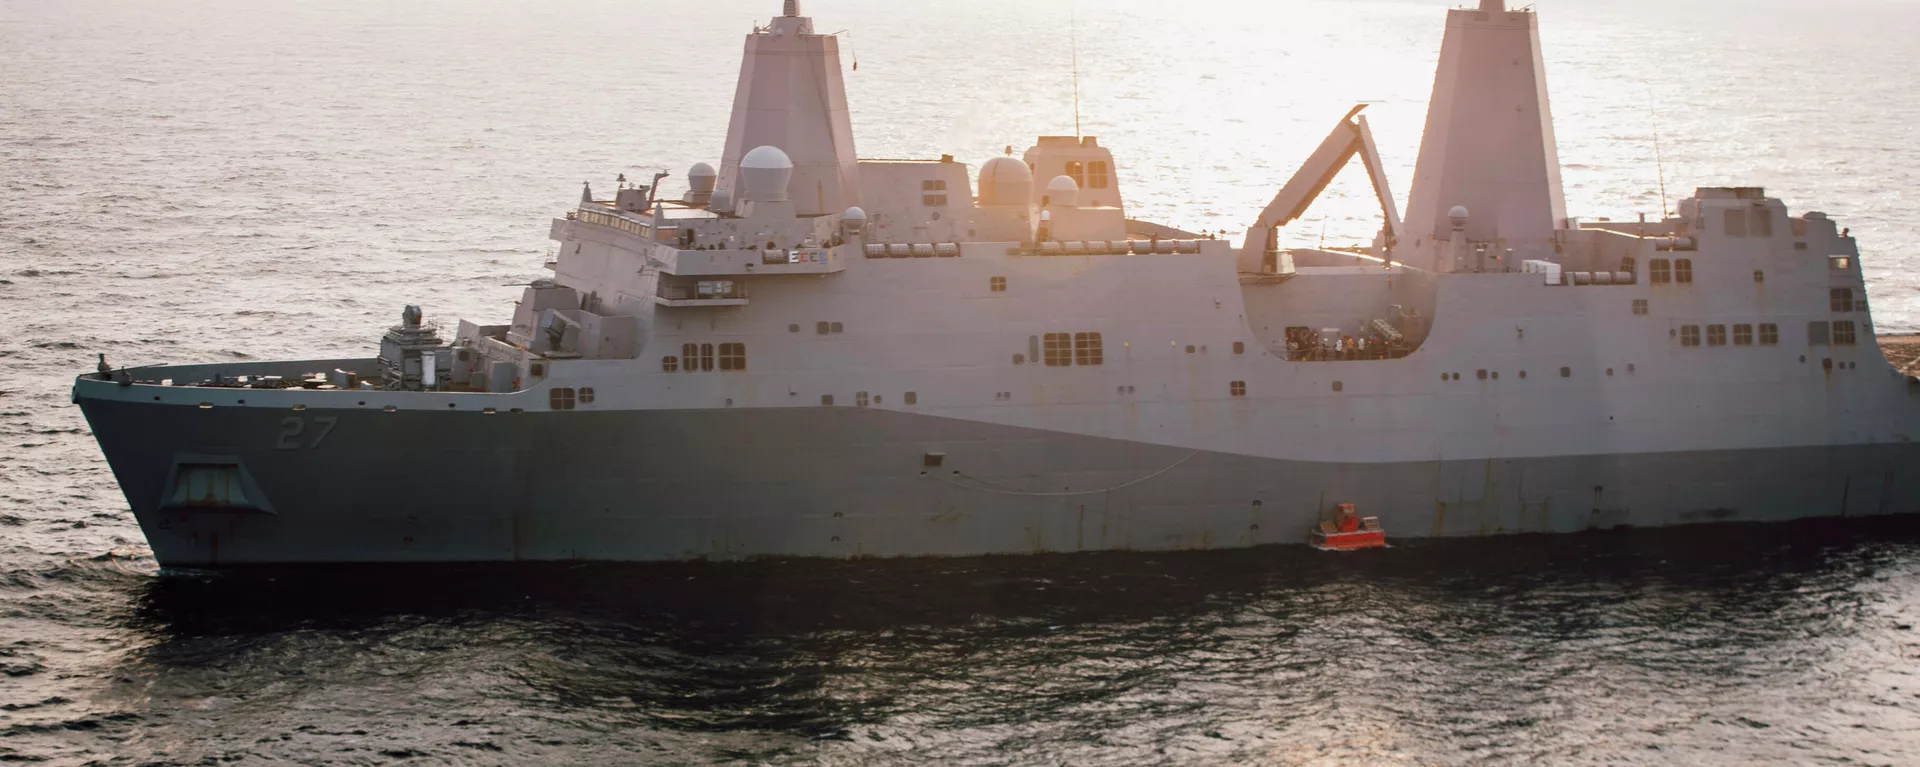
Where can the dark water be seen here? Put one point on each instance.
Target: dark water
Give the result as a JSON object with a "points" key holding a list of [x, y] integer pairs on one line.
{"points": [[219, 179], [1760, 644]]}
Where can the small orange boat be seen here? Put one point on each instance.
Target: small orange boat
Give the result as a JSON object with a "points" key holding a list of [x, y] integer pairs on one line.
{"points": [[1348, 531]]}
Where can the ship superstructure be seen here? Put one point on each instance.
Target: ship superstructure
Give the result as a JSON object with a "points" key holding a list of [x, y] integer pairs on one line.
{"points": [[810, 354]]}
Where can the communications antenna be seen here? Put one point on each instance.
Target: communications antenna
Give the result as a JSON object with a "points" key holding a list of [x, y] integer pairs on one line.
{"points": [[1073, 42], [1659, 163]]}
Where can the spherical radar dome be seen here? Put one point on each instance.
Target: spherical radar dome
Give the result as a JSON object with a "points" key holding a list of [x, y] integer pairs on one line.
{"points": [[764, 173], [1005, 181], [1063, 192], [1458, 216], [700, 177]]}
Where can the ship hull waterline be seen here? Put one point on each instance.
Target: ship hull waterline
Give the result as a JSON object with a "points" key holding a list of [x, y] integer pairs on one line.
{"points": [[366, 485]]}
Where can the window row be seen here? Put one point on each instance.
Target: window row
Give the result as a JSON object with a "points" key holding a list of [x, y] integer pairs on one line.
{"points": [[1092, 175], [1064, 349], [563, 397], [1842, 300], [697, 358], [1743, 334], [1837, 333], [1661, 271]]}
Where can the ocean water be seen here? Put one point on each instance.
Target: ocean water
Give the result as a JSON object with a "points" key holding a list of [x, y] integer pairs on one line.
{"points": [[214, 180]]}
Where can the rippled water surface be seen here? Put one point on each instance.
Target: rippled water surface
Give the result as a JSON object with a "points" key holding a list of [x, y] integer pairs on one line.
{"points": [[217, 179]]}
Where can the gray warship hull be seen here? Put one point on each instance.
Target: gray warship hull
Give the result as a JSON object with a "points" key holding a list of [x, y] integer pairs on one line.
{"points": [[465, 486]]}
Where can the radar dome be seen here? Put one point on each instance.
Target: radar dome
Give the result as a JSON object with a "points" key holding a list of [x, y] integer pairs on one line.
{"points": [[1061, 191], [721, 202], [700, 177], [1005, 181], [764, 173], [1458, 216], [853, 219]]}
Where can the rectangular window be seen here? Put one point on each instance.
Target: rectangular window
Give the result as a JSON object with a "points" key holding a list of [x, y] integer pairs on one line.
{"points": [[706, 357], [997, 284], [821, 327], [1716, 335], [1628, 264], [1840, 263], [1659, 271], [913, 398], [934, 200], [733, 356], [1841, 299], [1769, 334], [1736, 223], [1059, 348], [1683, 270], [1075, 172], [1097, 174], [1239, 347], [1639, 306], [860, 399], [1843, 332], [691, 353], [1033, 348], [1237, 388], [1086, 349], [560, 398], [669, 364], [1743, 334], [586, 396], [1762, 222], [837, 327], [1689, 335], [933, 185], [1817, 333]]}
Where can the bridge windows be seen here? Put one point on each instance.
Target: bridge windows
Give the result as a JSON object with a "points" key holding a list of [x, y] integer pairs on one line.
{"points": [[1683, 270], [933, 193], [1716, 335], [1097, 174], [697, 357], [1059, 348], [1769, 334], [1689, 335], [1841, 299], [733, 356], [1843, 332], [1087, 349], [1742, 334], [1659, 271]]}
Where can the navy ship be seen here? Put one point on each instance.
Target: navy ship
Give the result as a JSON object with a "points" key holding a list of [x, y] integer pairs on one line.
{"points": [[809, 354]]}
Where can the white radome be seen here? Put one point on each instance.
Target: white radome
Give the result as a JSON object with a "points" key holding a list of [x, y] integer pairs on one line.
{"points": [[764, 172]]}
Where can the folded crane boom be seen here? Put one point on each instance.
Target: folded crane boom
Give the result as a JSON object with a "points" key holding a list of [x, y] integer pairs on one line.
{"points": [[1351, 136]]}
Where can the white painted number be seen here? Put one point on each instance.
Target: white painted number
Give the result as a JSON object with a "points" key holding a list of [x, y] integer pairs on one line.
{"points": [[292, 427]]}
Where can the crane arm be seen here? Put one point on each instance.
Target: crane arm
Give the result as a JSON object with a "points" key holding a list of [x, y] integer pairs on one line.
{"points": [[1350, 137]]}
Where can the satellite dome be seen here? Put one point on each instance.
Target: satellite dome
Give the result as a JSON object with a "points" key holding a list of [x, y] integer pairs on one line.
{"points": [[764, 173], [1458, 216], [1063, 192], [852, 220], [700, 177], [721, 202], [1005, 181]]}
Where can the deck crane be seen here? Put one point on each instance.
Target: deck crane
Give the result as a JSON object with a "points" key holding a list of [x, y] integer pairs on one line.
{"points": [[1261, 253]]}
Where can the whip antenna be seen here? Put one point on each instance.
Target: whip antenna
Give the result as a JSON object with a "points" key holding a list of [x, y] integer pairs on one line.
{"points": [[1659, 163], [1073, 42]]}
